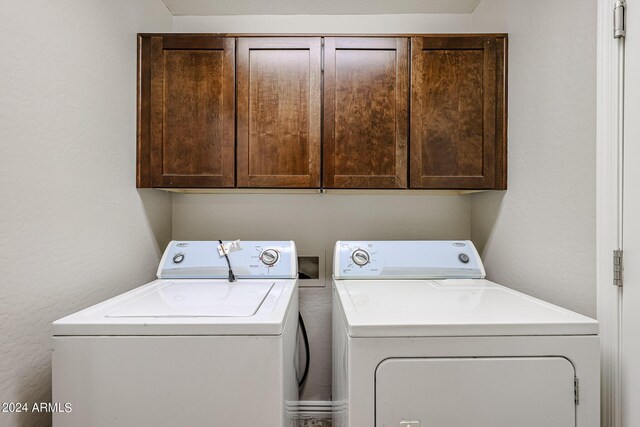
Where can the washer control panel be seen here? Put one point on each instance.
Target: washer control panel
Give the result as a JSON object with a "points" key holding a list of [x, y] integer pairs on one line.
{"points": [[407, 259], [255, 259]]}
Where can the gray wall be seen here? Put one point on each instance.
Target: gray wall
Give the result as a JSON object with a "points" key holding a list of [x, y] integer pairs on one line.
{"points": [[539, 235], [73, 229], [315, 222]]}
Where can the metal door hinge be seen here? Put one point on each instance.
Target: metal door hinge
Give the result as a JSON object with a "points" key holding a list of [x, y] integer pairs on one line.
{"points": [[617, 267], [576, 390], [619, 21], [322, 54]]}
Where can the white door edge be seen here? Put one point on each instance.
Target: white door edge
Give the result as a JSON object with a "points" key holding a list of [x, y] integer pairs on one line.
{"points": [[608, 212]]}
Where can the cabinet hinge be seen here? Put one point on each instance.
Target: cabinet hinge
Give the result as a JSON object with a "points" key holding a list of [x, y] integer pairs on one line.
{"points": [[322, 54], [619, 21], [617, 267], [576, 390]]}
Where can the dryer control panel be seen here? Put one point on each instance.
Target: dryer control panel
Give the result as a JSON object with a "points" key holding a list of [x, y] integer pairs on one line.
{"points": [[254, 259], [407, 259]]}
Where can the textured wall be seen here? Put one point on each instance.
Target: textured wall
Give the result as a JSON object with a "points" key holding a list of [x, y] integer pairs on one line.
{"points": [[74, 231], [73, 228], [311, 7], [317, 221], [539, 236], [417, 23]]}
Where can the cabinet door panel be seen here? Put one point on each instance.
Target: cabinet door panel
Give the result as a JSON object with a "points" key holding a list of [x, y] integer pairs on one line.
{"points": [[365, 113], [457, 136], [192, 111], [279, 112]]}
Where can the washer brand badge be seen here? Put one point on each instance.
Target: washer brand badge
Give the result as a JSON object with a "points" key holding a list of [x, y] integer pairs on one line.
{"points": [[458, 244], [182, 245]]}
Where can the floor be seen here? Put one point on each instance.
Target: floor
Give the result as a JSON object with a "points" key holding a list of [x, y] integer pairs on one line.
{"points": [[312, 422]]}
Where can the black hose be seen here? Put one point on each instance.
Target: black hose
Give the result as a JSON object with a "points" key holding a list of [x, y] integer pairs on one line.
{"points": [[306, 350], [232, 277]]}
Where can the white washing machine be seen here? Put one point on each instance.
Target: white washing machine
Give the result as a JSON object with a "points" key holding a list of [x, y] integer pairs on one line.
{"points": [[421, 339], [189, 349]]}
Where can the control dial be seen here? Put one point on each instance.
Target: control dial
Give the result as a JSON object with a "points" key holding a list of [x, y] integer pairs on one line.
{"points": [[269, 257], [360, 257]]}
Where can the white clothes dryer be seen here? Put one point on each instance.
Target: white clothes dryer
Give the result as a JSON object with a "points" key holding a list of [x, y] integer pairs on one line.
{"points": [[421, 339]]}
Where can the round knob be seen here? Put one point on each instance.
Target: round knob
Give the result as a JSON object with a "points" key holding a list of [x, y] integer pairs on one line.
{"points": [[269, 257], [360, 257], [178, 258], [464, 258]]}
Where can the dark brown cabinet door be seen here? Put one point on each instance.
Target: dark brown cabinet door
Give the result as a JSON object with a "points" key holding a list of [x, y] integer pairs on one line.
{"points": [[278, 95], [365, 112], [458, 112], [187, 109]]}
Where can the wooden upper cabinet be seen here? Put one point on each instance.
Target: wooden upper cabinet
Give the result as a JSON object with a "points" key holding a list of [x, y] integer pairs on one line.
{"points": [[420, 112], [278, 96], [365, 104], [186, 107], [458, 131]]}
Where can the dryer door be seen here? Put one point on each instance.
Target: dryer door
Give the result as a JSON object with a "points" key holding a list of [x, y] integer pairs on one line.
{"points": [[478, 392]]}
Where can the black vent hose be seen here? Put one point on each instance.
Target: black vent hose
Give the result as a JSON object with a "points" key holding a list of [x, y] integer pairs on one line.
{"points": [[303, 329]]}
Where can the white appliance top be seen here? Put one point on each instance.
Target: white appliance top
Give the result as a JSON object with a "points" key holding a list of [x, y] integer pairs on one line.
{"points": [[180, 303], [409, 259], [452, 307], [176, 307], [378, 306]]}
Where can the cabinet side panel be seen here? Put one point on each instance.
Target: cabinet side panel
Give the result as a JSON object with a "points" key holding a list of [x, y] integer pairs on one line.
{"points": [[143, 152], [501, 112]]}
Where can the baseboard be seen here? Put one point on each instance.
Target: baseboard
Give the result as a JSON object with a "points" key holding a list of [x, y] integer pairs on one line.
{"points": [[318, 409], [310, 413]]}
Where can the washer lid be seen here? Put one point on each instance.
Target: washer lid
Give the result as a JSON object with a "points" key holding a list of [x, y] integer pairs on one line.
{"points": [[455, 307], [197, 299], [200, 307]]}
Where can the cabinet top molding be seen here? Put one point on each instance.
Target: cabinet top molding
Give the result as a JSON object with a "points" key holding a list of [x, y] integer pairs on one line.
{"points": [[327, 34]]}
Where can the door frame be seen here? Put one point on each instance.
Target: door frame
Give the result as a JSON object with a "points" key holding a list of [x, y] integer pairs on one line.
{"points": [[609, 145]]}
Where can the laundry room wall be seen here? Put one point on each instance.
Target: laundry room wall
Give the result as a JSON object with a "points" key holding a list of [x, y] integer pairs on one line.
{"points": [[539, 235], [323, 24], [73, 229], [316, 221]]}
